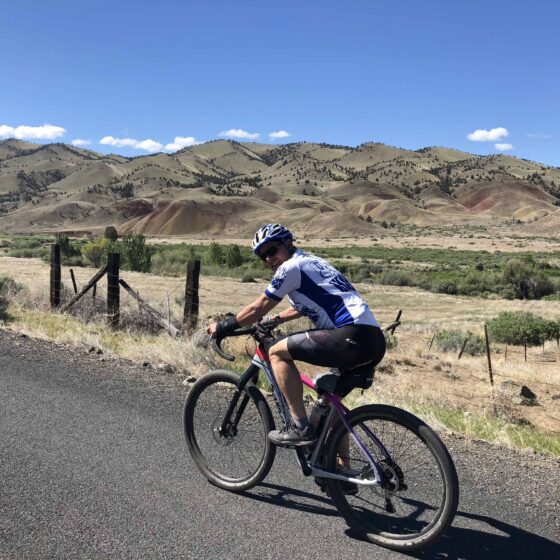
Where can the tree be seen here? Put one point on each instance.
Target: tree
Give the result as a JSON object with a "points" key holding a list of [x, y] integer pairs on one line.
{"points": [[445, 182], [111, 233], [64, 242], [95, 251], [526, 281], [216, 253], [136, 255], [233, 256], [66, 248]]}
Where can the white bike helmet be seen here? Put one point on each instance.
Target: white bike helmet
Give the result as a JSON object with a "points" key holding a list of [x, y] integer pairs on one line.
{"points": [[270, 232]]}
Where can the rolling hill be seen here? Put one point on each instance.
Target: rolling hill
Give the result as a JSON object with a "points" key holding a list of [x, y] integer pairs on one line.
{"points": [[224, 188]]}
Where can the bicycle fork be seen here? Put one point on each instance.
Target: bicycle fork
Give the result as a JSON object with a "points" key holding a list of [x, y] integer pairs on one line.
{"points": [[228, 427]]}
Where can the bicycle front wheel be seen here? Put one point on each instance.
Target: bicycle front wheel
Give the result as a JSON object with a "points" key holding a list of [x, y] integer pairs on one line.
{"points": [[420, 494], [240, 456]]}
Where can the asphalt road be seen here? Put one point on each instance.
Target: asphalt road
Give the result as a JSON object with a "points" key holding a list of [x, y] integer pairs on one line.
{"points": [[93, 465]]}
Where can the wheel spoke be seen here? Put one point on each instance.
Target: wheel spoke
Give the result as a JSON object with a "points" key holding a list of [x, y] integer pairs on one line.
{"points": [[241, 456], [417, 485]]}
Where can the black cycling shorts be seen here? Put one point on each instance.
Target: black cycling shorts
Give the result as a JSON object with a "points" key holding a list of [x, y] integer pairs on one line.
{"points": [[344, 347]]}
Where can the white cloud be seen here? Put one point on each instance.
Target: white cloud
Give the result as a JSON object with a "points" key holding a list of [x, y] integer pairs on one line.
{"points": [[80, 142], [148, 145], [278, 134], [118, 142], [239, 133], [481, 135], [503, 147], [181, 142], [23, 132]]}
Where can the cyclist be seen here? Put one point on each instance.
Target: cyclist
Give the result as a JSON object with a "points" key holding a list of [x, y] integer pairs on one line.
{"points": [[346, 333]]}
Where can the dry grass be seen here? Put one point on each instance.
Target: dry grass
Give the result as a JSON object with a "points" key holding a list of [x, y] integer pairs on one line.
{"points": [[451, 392], [495, 239]]}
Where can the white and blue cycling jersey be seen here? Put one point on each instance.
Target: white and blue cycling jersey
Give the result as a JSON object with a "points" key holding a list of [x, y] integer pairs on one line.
{"points": [[318, 291]]}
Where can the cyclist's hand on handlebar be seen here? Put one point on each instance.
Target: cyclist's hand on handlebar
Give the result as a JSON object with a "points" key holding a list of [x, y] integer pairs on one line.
{"points": [[211, 330], [269, 322], [222, 328]]}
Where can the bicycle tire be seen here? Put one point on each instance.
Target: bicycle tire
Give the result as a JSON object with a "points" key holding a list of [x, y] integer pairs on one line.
{"points": [[237, 461], [423, 488]]}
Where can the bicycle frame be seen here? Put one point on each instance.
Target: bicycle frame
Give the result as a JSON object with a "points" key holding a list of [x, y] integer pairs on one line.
{"points": [[261, 361]]}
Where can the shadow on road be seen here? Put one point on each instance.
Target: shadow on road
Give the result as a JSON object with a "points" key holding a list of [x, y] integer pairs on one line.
{"points": [[292, 499], [500, 541]]}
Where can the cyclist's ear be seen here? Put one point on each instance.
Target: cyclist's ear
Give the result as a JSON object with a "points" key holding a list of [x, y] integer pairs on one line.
{"points": [[289, 244]]}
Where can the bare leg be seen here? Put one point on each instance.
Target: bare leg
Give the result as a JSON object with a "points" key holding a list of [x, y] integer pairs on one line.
{"points": [[287, 376], [343, 459]]}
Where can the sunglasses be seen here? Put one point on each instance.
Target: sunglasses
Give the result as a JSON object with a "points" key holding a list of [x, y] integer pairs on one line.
{"points": [[270, 252]]}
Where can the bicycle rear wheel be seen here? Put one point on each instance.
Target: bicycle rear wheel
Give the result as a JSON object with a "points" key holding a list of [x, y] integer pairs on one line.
{"points": [[241, 456], [420, 497]]}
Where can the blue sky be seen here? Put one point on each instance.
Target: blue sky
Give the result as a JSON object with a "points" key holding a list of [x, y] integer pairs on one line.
{"points": [[138, 75]]}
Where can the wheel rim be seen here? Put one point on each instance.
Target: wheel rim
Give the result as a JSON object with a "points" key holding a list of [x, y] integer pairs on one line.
{"points": [[412, 500], [238, 453]]}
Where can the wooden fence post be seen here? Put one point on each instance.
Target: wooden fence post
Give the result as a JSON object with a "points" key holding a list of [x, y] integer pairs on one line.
{"points": [[92, 283], [74, 281], [55, 275], [113, 289], [190, 312], [463, 347], [432, 341], [489, 365]]}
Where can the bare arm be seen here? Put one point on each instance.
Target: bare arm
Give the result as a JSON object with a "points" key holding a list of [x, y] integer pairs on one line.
{"points": [[288, 315], [250, 314], [256, 310]]}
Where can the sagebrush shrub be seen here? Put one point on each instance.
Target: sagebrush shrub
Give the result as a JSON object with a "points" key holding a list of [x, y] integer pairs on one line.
{"points": [[453, 340], [8, 288], [514, 327]]}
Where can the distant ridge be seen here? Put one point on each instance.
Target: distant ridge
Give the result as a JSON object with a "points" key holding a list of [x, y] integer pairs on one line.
{"points": [[228, 188]]}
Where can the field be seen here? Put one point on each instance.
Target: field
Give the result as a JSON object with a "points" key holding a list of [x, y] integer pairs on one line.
{"points": [[448, 391]]}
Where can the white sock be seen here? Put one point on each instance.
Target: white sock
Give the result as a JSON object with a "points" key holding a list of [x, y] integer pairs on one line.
{"points": [[301, 423]]}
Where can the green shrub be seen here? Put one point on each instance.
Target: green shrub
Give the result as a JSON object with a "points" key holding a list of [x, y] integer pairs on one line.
{"points": [[526, 279], [8, 287], [95, 251], [391, 340], [28, 243], [216, 254], [552, 297], [37, 253], [453, 340], [135, 254], [449, 288], [514, 327], [247, 277], [77, 260], [233, 256], [67, 249], [396, 278]]}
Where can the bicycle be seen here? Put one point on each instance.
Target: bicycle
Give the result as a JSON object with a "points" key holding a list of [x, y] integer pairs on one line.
{"points": [[406, 484]]}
